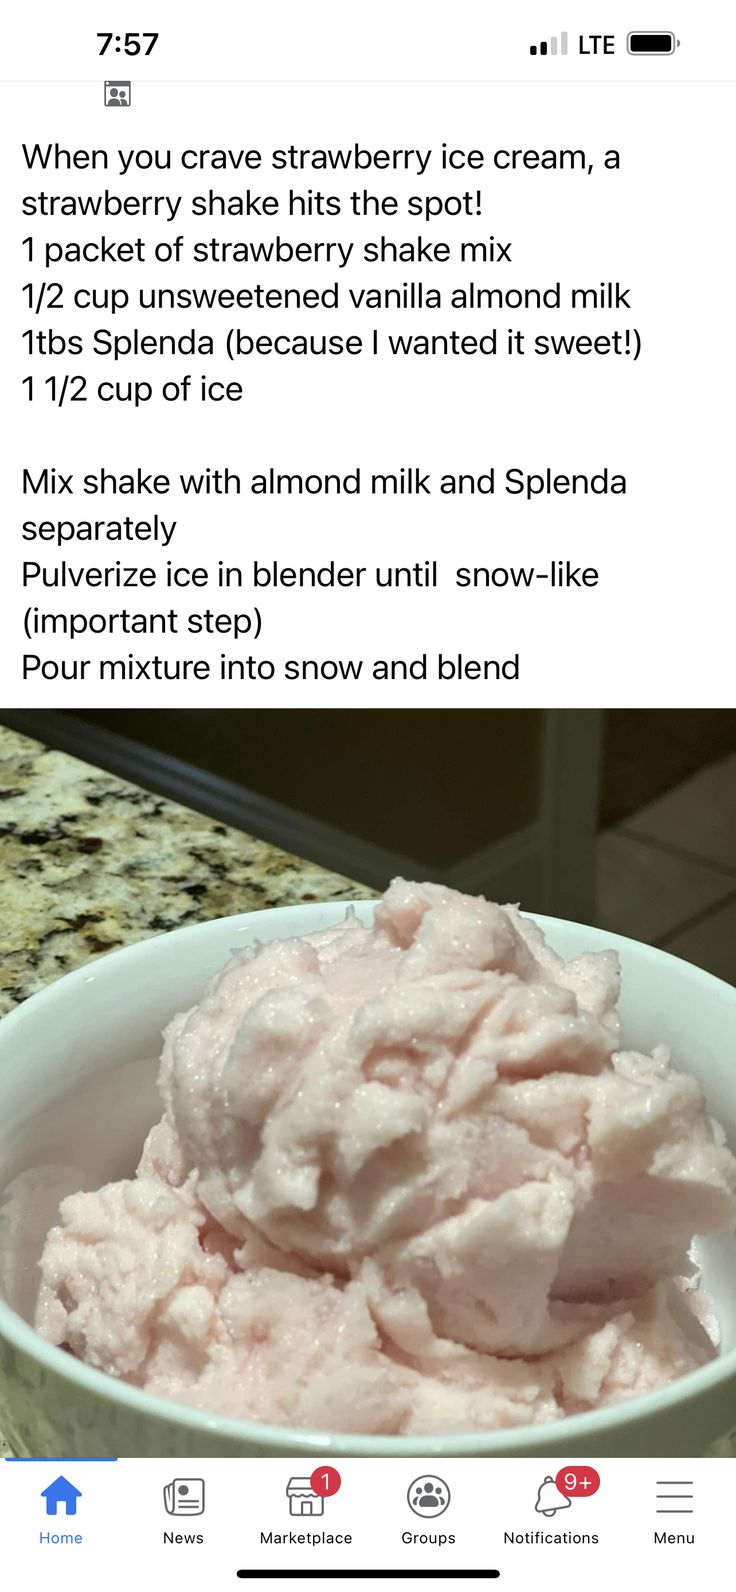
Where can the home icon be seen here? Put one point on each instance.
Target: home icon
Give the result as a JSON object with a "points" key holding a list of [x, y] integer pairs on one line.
{"points": [[63, 1492], [303, 1500]]}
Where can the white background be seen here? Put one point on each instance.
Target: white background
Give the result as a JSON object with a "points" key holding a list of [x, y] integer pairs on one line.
{"points": [[122, 1505], [657, 630]]}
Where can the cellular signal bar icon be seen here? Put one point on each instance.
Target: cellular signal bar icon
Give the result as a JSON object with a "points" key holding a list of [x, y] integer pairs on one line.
{"points": [[550, 49]]}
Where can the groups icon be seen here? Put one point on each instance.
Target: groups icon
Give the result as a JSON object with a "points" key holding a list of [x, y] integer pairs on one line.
{"points": [[428, 1497]]}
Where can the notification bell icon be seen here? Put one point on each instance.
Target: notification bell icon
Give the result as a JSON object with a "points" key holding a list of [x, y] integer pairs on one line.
{"points": [[549, 1499]]}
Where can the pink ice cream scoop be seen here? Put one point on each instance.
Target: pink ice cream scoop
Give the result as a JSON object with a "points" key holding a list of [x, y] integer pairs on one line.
{"points": [[405, 1182]]}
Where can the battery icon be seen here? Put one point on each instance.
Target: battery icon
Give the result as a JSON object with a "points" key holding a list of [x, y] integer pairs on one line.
{"points": [[651, 43]]}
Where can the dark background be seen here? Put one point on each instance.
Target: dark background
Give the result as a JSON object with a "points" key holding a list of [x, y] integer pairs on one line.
{"points": [[624, 817]]}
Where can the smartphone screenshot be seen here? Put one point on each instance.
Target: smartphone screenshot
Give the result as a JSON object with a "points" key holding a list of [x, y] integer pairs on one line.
{"points": [[367, 794]]}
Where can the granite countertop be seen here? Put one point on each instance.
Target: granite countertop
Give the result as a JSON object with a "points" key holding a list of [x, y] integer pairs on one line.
{"points": [[89, 863]]}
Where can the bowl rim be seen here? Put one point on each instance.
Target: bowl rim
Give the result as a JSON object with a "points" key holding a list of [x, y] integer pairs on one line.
{"points": [[293, 1440]]}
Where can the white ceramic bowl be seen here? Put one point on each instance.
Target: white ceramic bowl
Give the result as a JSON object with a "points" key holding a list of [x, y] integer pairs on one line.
{"points": [[72, 1040]]}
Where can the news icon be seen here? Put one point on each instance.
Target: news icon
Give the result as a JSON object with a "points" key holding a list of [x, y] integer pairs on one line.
{"points": [[184, 1496]]}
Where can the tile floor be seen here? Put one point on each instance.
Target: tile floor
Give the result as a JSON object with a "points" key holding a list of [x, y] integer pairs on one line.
{"points": [[667, 874]]}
